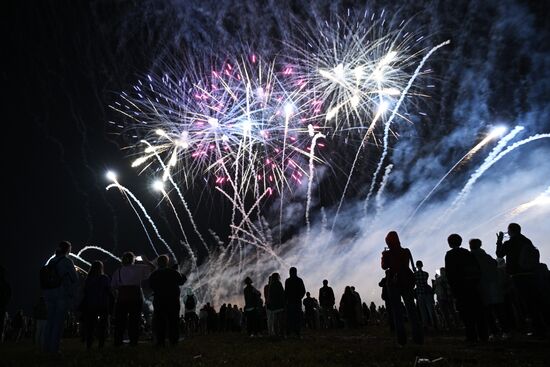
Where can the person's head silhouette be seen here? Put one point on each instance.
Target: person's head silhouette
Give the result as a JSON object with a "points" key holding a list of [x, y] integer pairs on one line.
{"points": [[293, 272], [514, 230], [63, 248], [325, 282], [419, 264], [475, 243], [454, 240]]}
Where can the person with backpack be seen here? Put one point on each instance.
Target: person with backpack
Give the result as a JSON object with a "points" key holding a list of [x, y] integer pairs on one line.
{"points": [[463, 274], [522, 264], [191, 317], [165, 283], [126, 282], [400, 284], [59, 281], [96, 304]]}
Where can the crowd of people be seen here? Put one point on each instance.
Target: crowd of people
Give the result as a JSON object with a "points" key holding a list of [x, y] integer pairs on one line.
{"points": [[490, 298]]}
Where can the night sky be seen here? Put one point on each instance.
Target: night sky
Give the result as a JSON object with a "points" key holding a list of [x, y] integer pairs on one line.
{"points": [[66, 61]]}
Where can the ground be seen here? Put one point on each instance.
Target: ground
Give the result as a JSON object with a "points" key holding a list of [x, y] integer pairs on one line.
{"points": [[368, 347]]}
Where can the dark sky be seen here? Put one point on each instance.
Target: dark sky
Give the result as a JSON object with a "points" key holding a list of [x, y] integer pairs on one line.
{"points": [[67, 60]]}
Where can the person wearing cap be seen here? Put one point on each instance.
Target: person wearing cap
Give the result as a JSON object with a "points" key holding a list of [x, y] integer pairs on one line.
{"points": [[400, 284]]}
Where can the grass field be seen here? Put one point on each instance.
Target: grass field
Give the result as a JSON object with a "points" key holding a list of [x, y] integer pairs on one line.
{"points": [[369, 347]]}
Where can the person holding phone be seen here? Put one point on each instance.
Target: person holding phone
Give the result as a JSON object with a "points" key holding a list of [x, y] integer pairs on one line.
{"points": [[522, 264], [126, 282]]}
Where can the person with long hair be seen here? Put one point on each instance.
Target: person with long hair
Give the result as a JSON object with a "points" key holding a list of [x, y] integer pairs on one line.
{"points": [[96, 304], [400, 284]]}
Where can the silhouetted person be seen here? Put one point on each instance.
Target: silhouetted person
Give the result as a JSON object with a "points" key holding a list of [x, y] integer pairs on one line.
{"points": [[522, 263], [96, 304], [347, 308], [294, 292], [190, 306], [326, 301], [463, 273], [358, 311], [309, 307], [276, 304], [268, 311], [223, 317], [60, 298], [444, 296], [424, 296], [386, 298], [129, 301], [400, 283], [40, 316], [165, 283], [5, 295], [491, 287], [253, 302]]}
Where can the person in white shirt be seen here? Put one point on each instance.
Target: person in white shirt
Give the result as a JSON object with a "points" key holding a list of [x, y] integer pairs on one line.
{"points": [[126, 281]]}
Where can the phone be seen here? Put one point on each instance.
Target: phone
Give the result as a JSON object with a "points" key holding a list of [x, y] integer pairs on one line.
{"points": [[139, 258]]}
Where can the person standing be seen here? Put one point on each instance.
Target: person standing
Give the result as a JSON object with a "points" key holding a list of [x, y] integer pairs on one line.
{"points": [[491, 288], [294, 292], [464, 274], [96, 304], [40, 316], [276, 304], [165, 283], [5, 295], [253, 300], [59, 287], [424, 296], [326, 301], [522, 263], [400, 284], [126, 282]]}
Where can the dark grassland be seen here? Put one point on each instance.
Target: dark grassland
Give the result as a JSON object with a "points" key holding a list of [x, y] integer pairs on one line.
{"points": [[373, 346]]}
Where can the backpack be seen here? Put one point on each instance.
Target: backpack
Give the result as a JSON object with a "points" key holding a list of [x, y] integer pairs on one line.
{"points": [[49, 277], [529, 257], [190, 302]]}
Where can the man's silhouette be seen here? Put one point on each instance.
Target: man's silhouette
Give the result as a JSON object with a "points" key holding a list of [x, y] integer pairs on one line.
{"points": [[294, 292]]}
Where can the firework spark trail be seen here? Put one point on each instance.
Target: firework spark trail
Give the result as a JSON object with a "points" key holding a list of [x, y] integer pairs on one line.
{"points": [[73, 255], [97, 248], [127, 191], [542, 199], [378, 198], [242, 211], [246, 216], [140, 221], [182, 199], [352, 169], [392, 116], [237, 202], [287, 118], [467, 156], [185, 241], [266, 249], [486, 165], [310, 178]]}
